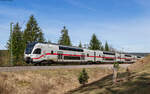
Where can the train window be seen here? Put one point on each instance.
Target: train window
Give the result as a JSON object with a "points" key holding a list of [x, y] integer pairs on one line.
{"points": [[127, 59], [128, 55], [60, 53], [70, 49], [52, 52], [82, 56], [37, 51], [30, 47], [71, 57], [109, 53], [108, 59]]}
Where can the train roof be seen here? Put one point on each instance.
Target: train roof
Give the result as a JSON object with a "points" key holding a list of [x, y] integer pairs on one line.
{"points": [[61, 45], [79, 48]]}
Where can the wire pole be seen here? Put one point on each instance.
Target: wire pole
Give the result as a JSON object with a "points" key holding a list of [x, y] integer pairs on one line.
{"points": [[11, 57]]}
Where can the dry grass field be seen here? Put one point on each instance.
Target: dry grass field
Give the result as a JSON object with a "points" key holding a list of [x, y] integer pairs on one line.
{"points": [[134, 81], [57, 81], [65, 81]]}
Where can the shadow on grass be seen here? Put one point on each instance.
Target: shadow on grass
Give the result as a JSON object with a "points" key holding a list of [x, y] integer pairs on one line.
{"points": [[136, 85]]}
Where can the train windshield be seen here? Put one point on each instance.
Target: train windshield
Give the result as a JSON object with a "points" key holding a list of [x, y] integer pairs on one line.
{"points": [[30, 47]]}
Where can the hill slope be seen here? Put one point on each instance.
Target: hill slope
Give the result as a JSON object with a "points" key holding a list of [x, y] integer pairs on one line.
{"points": [[139, 54], [136, 81]]}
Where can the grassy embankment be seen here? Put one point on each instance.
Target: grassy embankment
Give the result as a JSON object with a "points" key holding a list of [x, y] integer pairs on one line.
{"points": [[136, 81], [60, 81], [56, 81]]}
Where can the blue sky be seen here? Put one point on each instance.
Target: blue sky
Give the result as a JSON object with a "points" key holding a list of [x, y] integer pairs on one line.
{"points": [[125, 24]]}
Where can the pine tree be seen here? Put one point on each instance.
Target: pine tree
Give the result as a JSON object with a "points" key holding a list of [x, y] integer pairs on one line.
{"points": [[107, 47], [17, 44], [40, 36], [32, 32], [95, 44], [64, 39], [83, 77], [80, 45], [102, 48]]}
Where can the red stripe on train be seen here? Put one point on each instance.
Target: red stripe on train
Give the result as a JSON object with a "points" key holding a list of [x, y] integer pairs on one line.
{"points": [[39, 57], [78, 55]]}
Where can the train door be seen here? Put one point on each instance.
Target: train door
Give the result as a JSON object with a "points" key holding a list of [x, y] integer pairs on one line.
{"points": [[82, 57], [60, 56], [117, 57], [94, 56]]}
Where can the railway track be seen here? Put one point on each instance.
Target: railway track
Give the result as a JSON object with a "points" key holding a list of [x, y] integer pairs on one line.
{"points": [[21, 68]]}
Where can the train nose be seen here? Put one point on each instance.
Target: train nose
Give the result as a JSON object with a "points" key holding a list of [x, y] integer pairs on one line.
{"points": [[28, 60]]}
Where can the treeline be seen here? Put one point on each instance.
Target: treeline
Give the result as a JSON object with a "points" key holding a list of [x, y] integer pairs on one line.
{"points": [[95, 43], [33, 33], [19, 39]]}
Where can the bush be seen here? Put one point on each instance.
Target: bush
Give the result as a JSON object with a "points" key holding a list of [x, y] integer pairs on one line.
{"points": [[116, 65], [83, 77]]}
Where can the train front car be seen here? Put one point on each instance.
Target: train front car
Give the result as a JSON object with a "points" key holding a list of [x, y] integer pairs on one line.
{"points": [[31, 52]]}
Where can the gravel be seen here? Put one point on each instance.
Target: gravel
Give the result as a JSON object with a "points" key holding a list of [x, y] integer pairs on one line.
{"points": [[20, 68]]}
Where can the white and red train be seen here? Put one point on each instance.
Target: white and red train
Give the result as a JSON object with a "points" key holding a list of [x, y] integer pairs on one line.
{"points": [[38, 53]]}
